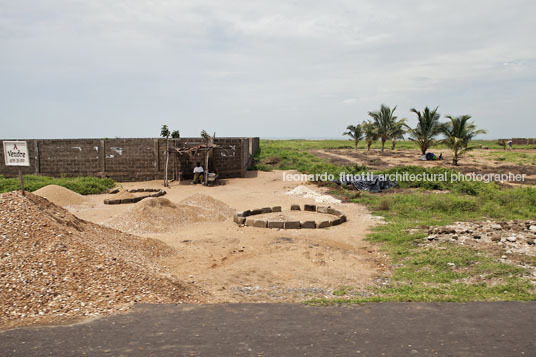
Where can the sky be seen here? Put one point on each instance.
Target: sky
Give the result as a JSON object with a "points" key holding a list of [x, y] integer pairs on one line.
{"points": [[295, 69]]}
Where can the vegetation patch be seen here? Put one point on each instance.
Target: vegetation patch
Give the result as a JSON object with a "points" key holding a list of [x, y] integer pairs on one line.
{"points": [[81, 185]]}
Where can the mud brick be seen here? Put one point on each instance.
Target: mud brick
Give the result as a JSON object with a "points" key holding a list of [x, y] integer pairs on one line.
{"points": [[249, 222], [292, 225], [311, 208], [295, 208], [114, 202], [256, 211], [343, 218], [323, 224], [275, 224], [266, 210], [276, 209], [127, 200], [336, 222], [308, 224], [259, 223]]}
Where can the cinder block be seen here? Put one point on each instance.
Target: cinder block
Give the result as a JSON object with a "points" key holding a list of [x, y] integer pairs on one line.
{"points": [[276, 209], [322, 209], [243, 213], [295, 207], [292, 225], [249, 222], [334, 212], [308, 224], [259, 223], [266, 210], [323, 224], [311, 208], [276, 224]]}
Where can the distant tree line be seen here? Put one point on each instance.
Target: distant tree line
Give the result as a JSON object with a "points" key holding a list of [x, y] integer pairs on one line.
{"points": [[457, 132]]}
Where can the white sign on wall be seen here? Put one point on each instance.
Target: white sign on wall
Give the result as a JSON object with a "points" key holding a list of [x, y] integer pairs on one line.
{"points": [[16, 153]]}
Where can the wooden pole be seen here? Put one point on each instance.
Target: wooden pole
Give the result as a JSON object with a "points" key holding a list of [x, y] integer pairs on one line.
{"points": [[167, 162], [21, 182]]}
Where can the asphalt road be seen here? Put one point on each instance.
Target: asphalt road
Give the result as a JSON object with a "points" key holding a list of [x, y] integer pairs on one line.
{"points": [[390, 329]]}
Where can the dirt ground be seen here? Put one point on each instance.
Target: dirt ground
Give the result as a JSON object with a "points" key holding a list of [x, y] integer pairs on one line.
{"points": [[247, 264], [478, 161]]}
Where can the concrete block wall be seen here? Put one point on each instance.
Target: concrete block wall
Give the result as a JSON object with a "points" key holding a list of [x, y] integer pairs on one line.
{"points": [[128, 159]]}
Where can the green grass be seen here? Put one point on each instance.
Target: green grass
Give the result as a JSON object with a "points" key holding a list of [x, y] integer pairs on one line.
{"points": [[423, 273], [519, 158], [82, 185]]}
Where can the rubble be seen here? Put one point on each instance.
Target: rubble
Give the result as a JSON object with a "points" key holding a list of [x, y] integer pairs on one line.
{"points": [[54, 265], [516, 236]]}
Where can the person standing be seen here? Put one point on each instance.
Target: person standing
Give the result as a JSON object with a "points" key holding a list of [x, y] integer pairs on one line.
{"points": [[510, 144]]}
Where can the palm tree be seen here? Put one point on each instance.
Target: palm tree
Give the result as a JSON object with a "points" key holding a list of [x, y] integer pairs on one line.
{"points": [[397, 131], [458, 134], [370, 132], [384, 121], [355, 132], [428, 127]]}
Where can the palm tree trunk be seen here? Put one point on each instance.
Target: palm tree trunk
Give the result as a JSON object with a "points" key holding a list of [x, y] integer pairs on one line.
{"points": [[394, 144], [355, 143]]}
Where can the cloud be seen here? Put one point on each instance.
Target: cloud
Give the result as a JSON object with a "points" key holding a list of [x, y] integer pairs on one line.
{"points": [[123, 68]]}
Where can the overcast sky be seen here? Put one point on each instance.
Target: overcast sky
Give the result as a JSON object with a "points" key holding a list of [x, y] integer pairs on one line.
{"points": [[104, 68]]}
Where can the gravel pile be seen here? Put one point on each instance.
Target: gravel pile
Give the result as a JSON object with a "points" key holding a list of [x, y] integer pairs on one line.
{"points": [[61, 196], [54, 265], [159, 215], [306, 192]]}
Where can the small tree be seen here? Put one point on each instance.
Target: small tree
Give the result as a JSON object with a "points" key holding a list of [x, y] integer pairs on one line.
{"points": [[428, 127], [355, 132], [384, 120], [370, 132], [397, 131], [175, 134], [458, 134]]}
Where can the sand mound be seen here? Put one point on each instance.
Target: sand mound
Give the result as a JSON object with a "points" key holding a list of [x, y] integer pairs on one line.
{"points": [[309, 193], [61, 196], [158, 215], [123, 194], [53, 264]]}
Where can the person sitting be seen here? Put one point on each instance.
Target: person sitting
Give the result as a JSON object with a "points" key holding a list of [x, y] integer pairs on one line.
{"points": [[198, 173]]}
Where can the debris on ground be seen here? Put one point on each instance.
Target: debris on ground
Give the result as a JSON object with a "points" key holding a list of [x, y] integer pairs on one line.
{"points": [[54, 265], [306, 192]]}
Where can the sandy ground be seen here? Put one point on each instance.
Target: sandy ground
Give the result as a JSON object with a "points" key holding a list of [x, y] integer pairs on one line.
{"points": [[247, 264], [477, 161]]}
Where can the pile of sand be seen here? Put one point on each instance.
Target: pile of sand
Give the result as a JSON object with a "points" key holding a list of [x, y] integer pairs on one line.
{"points": [[61, 196], [158, 215], [309, 193], [54, 265]]}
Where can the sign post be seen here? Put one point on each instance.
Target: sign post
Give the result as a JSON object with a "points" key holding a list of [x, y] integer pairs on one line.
{"points": [[16, 154]]}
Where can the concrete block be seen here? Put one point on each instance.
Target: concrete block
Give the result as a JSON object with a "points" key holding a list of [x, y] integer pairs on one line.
{"points": [[292, 225], [334, 212], [276, 209], [266, 210], [343, 218], [295, 207], [336, 222], [259, 223], [308, 224], [249, 222], [311, 208], [323, 224], [322, 209], [243, 213], [256, 211], [276, 224]]}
